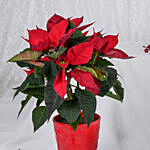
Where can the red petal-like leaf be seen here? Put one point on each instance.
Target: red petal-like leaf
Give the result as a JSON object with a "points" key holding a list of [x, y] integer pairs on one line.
{"points": [[116, 53], [87, 80], [66, 36], [45, 58], [53, 20], [38, 39], [77, 21], [98, 43], [60, 84], [79, 54], [85, 26], [31, 70], [85, 33], [57, 32], [111, 40]]}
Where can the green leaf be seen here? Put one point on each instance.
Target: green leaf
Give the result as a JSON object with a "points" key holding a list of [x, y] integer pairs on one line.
{"points": [[27, 54], [16, 93], [104, 88], [39, 101], [60, 51], [75, 124], [25, 64], [119, 92], [103, 63], [87, 103], [39, 117], [109, 82], [49, 70], [71, 24], [77, 32], [72, 42], [32, 86], [52, 100], [70, 110], [35, 92], [24, 103], [32, 82]]}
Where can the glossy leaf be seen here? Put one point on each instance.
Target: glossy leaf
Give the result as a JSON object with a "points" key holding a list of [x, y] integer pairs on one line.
{"points": [[25, 64], [109, 82], [27, 54], [39, 117], [119, 92], [35, 92], [24, 103], [70, 110], [72, 42], [39, 101], [52, 100], [87, 103], [75, 124], [103, 63]]}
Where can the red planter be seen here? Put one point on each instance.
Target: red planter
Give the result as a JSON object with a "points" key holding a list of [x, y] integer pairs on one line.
{"points": [[81, 139]]}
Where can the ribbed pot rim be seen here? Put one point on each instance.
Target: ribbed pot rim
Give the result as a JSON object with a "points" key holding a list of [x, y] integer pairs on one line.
{"points": [[97, 118]]}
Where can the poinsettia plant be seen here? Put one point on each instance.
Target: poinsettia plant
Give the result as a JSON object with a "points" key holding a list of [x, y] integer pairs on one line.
{"points": [[59, 54]]}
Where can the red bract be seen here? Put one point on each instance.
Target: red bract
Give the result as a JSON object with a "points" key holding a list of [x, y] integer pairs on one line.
{"points": [[85, 33], [116, 53], [79, 54], [57, 32], [77, 21], [53, 20], [98, 43], [66, 36], [85, 26], [31, 70], [60, 83], [87, 80], [107, 46], [38, 40], [45, 58]]}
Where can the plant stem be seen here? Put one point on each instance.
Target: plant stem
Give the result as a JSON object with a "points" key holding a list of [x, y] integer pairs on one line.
{"points": [[78, 84], [95, 58]]}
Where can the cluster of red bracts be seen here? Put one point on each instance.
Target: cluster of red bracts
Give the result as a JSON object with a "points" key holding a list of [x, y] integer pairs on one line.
{"points": [[56, 35]]}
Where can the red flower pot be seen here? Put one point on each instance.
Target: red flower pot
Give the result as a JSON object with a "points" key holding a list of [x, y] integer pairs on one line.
{"points": [[82, 139]]}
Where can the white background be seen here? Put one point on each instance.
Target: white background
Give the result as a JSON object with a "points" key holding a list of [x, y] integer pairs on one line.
{"points": [[124, 126]]}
